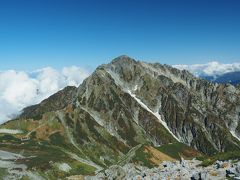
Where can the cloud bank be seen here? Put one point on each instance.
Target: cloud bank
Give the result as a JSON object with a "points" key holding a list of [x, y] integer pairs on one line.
{"points": [[19, 89], [210, 69]]}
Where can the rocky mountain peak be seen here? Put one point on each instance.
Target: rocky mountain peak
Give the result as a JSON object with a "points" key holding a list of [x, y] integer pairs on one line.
{"points": [[187, 107], [128, 110], [122, 59]]}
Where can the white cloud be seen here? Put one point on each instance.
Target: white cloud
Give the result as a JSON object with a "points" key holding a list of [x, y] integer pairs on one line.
{"points": [[19, 89], [210, 69]]}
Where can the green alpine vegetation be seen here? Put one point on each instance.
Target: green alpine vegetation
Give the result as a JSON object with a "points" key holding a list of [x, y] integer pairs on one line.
{"points": [[126, 111]]}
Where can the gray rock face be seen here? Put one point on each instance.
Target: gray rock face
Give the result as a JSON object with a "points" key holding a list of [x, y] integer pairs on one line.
{"points": [[171, 170], [124, 111], [55, 102], [137, 101]]}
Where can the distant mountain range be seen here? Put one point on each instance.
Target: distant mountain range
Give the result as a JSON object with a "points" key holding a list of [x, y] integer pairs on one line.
{"points": [[215, 72], [230, 77], [127, 111]]}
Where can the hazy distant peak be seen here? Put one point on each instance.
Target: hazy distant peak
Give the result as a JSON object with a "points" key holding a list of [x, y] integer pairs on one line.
{"points": [[213, 68]]}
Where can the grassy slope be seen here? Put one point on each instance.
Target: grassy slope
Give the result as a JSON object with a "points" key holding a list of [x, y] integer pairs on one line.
{"points": [[151, 156], [178, 150], [44, 146], [231, 155], [49, 144]]}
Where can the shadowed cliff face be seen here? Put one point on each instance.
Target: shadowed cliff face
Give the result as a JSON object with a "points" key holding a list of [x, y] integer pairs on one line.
{"points": [[128, 95]]}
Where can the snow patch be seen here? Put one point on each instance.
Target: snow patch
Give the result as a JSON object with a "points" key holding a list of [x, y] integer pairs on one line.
{"points": [[135, 88], [234, 135], [10, 131], [64, 167], [156, 114], [4, 155]]}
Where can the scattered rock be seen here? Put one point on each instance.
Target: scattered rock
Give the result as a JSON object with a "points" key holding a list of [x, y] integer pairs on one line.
{"points": [[184, 169]]}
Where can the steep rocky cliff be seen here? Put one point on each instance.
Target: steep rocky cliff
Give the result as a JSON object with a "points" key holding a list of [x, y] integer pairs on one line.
{"points": [[167, 104], [122, 113]]}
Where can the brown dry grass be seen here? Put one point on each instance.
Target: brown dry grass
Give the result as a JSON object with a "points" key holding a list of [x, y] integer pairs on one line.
{"points": [[43, 132], [69, 108], [156, 157], [213, 173], [76, 177], [189, 153], [225, 165]]}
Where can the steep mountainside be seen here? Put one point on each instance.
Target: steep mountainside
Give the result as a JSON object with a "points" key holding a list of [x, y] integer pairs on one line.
{"points": [[55, 102], [163, 102], [230, 77], [125, 112]]}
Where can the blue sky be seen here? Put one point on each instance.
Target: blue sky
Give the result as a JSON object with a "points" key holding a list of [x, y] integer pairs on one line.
{"points": [[86, 33]]}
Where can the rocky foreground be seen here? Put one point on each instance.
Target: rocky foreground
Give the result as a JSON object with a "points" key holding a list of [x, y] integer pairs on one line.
{"points": [[186, 169]]}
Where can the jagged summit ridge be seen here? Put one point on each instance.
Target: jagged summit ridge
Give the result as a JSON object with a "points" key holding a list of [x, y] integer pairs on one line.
{"points": [[122, 58], [184, 104], [125, 109], [176, 95]]}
